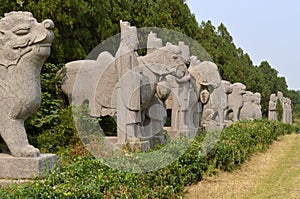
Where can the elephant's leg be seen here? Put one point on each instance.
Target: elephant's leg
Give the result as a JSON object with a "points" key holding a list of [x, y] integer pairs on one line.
{"points": [[14, 135]]}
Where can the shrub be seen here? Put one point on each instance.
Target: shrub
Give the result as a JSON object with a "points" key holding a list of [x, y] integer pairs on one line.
{"points": [[87, 177], [239, 141]]}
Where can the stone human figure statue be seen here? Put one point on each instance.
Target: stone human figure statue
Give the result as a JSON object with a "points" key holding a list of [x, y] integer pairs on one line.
{"points": [[272, 108], [128, 87], [181, 87], [25, 44], [257, 106], [285, 113], [280, 95], [290, 113]]}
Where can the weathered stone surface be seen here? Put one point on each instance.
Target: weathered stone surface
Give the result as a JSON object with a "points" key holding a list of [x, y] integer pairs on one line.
{"points": [[84, 76], [26, 167], [257, 106], [235, 102], [213, 111], [287, 111], [286, 108], [206, 78], [153, 42], [248, 110], [272, 107], [24, 46], [290, 112], [138, 89]]}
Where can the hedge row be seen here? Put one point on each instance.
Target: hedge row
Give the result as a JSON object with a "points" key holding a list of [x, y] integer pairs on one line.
{"points": [[87, 177]]}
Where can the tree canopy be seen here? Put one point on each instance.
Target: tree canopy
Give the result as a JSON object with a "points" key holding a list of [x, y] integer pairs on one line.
{"points": [[82, 24]]}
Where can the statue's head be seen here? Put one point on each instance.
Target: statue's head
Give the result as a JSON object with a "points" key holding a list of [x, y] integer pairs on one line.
{"points": [[21, 34], [227, 86], [206, 73], [273, 97], [257, 98], [248, 97], [238, 88], [279, 95]]}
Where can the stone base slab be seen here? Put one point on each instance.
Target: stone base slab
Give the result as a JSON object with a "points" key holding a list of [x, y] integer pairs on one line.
{"points": [[26, 168]]}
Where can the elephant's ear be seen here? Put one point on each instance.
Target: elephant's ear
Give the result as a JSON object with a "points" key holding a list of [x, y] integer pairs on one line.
{"points": [[206, 73], [105, 89]]}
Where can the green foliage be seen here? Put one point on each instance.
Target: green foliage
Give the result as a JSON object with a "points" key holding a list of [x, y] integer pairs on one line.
{"points": [[82, 24], [108, 125], [87, 177], [279, 110], [51, 128], [236, 66], [239, 141]]}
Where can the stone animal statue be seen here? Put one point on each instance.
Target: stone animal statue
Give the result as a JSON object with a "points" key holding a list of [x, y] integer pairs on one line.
{"points": [[213, 113], [134, 88], [24, 46], [150, 87], [248, 110], [235, 101], [207, 80]]}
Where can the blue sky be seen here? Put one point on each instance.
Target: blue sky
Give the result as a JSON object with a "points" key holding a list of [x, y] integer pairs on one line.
{"points": [[265, 29]]}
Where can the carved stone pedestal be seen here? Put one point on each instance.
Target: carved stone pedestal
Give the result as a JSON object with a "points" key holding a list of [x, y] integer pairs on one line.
{"points": [[26, 168]]}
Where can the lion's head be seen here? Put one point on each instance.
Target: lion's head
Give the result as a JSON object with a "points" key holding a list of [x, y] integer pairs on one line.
{"points": [[21, 34]]}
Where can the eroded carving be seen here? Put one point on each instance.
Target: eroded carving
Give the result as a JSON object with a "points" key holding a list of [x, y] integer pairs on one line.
{"points": [[24, 46]]}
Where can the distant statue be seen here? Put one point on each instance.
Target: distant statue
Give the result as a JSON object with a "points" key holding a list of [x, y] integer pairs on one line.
{"points": [[272, 108], [257, 106], [24, 47], [290, 114]]}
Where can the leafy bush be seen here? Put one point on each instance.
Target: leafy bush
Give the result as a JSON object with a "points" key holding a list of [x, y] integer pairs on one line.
{"points": [[239, 141], [51, 128], [88, 177], [279, 110]]}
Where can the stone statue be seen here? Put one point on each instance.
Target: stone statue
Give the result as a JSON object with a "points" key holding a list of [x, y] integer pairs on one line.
{"points": [[286, 108], [213, 111], [257, 106], [207, 79], [24, 46], [235, 102], [290, 114], [248, 110], [272, 108], [136, 88], [129, 86], [83, 74]]}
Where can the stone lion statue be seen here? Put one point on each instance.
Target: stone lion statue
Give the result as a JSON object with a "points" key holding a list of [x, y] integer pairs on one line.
{"points": [[24, 46]]}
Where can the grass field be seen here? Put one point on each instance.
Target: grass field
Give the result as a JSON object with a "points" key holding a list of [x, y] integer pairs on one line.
{"points": [[273, 174]]}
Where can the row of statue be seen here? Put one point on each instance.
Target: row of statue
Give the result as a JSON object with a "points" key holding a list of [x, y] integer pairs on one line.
{"points": [[136, 90], [285, 104]]}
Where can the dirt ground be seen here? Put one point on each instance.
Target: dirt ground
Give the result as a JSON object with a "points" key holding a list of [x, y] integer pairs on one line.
{"points": [[273, 174]]}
